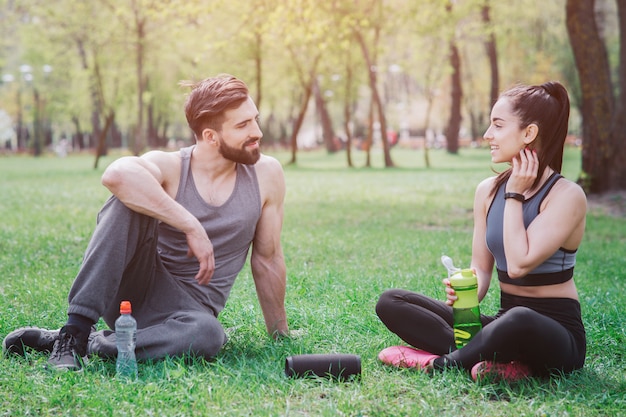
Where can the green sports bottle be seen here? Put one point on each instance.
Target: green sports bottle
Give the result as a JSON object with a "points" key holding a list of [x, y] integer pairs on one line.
{"points": [[465, 310]]}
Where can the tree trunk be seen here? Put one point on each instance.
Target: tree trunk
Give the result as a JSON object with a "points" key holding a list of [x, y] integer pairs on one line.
{"points": [[141, 38], [101, 147], [37, 131], [454, 123], [429, 108], [152, 137], [21, 141], [597, 98], [163, 135], [376, 99], [347, 111], [307, 78], [258, 63], [370, 133], [77, 138], [328, 133], [94, 89], [298, 122], [492, 54], [472, 108], [618, 171]]}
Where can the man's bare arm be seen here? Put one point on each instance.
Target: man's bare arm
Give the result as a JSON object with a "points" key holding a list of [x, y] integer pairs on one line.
{"points": [[140, 184]]}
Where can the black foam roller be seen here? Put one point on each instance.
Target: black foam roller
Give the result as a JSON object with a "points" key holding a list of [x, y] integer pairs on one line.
{"points": [[335, 366]]}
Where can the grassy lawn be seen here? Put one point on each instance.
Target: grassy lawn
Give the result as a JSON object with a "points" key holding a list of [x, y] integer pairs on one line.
{"points": [[349, 234]]}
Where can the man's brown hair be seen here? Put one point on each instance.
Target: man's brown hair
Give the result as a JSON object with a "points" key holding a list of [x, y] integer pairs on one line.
{"points": [[210, 98]]}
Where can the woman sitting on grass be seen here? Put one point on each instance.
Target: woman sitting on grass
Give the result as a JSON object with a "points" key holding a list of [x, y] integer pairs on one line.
{"points": [[529, 220]]}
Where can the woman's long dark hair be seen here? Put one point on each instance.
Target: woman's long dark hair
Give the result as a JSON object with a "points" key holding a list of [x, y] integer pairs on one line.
{"points": [[547, 106]]}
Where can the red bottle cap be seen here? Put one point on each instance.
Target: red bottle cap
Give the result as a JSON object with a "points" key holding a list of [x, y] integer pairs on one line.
{"points": [[125, 307]]}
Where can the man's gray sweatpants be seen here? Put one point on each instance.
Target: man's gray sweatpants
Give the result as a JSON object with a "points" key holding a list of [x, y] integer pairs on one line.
{"points": [[122, 263]]}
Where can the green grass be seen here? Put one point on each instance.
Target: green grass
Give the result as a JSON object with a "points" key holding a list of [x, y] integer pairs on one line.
{"points": [[349, 234]]}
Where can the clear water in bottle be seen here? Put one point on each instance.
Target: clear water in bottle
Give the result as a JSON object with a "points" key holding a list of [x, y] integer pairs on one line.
{"points": [[126, 335]]}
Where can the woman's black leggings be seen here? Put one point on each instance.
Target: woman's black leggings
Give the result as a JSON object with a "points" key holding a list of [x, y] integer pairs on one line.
{"points": [[520, 331]]}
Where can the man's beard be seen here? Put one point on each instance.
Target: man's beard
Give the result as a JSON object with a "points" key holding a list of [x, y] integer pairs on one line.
{"points": [[240, 156]]}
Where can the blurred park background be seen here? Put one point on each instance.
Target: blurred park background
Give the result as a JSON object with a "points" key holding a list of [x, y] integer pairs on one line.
{"points": [[83, 82], [345, 75]]}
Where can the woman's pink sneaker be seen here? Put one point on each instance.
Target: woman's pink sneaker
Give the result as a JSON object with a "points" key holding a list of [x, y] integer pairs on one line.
{"points": [[406, 357], [500, 371]]}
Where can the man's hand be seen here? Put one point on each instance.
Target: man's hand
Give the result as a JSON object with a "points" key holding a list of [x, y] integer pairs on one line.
{"points": [[201, 248]]}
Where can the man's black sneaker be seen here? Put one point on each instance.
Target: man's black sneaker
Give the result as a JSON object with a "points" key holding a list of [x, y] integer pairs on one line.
{"points": [[68, 352], [40, 340]]}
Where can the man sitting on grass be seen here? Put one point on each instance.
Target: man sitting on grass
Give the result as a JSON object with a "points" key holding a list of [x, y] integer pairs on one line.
{"points": [[173, 238]]}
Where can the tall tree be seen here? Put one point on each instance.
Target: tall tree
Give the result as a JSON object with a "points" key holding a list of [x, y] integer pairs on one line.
{"points": [[372, 69], [347, 105], [254, 30], [139, 28], [603, 114], [328, 132], [492, 52], [456, 95], [377, 102], [60, 35], [307, 80], [304, 35], [618, 168], [145, 28], [345, 48]]}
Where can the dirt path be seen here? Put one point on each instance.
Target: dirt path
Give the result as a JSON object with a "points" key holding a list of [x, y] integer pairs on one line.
{"points": [[612, 204]]}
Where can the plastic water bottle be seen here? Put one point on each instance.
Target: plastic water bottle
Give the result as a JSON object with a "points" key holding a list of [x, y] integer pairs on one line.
{"points": [[465, 310], [126, 335]]}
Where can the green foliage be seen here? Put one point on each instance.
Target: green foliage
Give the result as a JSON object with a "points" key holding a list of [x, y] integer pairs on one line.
{"points": [[194, 40], [349, 234]]}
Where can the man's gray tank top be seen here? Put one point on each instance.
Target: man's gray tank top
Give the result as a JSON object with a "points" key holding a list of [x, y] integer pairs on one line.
{"points": [[556, 269], [231, 228]]}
